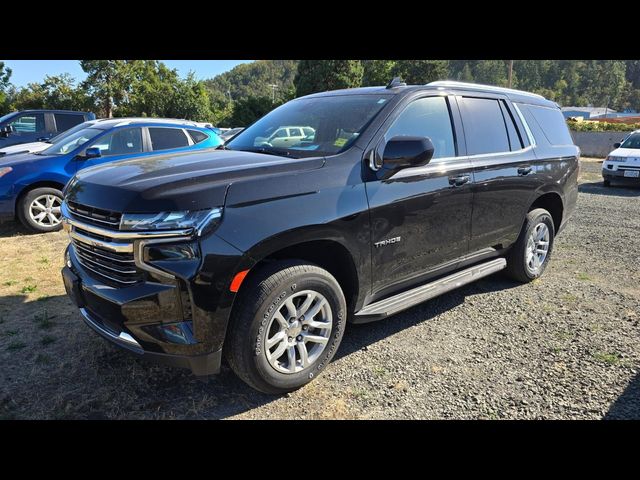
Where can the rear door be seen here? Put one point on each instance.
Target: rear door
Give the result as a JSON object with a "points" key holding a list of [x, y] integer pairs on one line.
{"points": [[420, 216], [504, 170]]}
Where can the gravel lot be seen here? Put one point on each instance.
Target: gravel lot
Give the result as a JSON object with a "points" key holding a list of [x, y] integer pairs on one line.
{"points": [[564, 346]]}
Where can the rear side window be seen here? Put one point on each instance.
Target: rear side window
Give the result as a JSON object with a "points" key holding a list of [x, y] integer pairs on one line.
{"points": [[65, 121], [197, 136], [166, 138], [552, 123], [427, 117], [484, 126], [515, 140]]}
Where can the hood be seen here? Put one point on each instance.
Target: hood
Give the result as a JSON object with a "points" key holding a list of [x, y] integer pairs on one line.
{"points": [[185, 181], [626, 152], [24, 147], [11, 160]]}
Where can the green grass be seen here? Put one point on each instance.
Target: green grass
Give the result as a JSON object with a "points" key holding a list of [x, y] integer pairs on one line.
{"points": [[43, 320], [47, 340], [379, 371], [360, 393], [16, 345], [8, 283], [44, 260], [28, 289], [607, 357], [584, 277]]}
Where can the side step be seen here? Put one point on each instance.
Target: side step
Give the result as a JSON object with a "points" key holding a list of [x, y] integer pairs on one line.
{"points": [[404, 300]]}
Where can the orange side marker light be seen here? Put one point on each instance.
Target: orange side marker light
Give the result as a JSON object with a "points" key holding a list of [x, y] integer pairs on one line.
{"points": [[237, 280]]}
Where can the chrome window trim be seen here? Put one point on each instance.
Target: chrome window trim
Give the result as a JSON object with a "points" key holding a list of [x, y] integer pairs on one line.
{"points": [[532, 139]]}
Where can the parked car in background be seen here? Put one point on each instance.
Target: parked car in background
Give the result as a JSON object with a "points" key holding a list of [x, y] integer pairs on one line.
{"points": [[31, 183], [30, 126], [229, 133], [264, 253], [286, 136], [623, 163]]}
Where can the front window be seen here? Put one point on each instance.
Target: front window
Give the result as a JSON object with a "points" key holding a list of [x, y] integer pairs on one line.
{"points": [[311, 126], [120, 142], [29, 123], [632, 141], [70, 141]]}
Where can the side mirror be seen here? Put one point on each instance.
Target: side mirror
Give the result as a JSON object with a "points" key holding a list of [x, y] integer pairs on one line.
{"points": [[406, 151], [92, 152], [7, 130], [617, 145]]}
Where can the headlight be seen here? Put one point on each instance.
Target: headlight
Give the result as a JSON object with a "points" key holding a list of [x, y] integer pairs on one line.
{"points": [[4, 171], [198, 219], [616, 159]]}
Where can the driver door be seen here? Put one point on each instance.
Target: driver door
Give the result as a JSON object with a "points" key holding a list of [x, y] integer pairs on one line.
{"points": [[420, 216]]}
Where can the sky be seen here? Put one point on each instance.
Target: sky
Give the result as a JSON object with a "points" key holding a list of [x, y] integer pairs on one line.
{"points": [[29, 71]]}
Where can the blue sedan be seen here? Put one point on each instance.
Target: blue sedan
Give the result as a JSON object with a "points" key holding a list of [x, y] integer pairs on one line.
{"points": [[31, 183]]}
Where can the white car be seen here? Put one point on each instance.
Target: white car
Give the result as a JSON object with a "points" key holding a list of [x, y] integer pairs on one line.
{"points": [[32, 147], [623, 163]]}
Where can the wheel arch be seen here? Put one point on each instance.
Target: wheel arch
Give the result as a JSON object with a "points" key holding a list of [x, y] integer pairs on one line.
{"points": [[32, 186], [553, 203]]}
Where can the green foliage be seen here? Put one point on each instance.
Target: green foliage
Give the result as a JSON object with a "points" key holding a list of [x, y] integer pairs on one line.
{"points": [[321, 75], [602, 126], [248, 110], [5, 76], [55, 92], [109, 82], [419, 72], [377, 72]]}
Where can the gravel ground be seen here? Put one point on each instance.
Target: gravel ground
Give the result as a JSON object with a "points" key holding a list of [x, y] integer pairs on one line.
{"points": [[565, 346]]}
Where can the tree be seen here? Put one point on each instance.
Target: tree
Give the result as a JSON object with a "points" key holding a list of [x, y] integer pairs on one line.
{"points": [[321, 75], [5, 76], [190, 100], [109, 82], [419, 72], [377, 72], [248, 110], [55, 92]]}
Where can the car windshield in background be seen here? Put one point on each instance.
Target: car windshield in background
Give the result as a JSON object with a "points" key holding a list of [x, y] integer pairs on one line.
{"points": [[632, 141], [311, 126], [70, 142]]}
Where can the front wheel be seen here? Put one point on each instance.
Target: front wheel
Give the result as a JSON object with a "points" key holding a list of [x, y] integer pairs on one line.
{"points": [[39, 210], [287, 326], [530, 255]]}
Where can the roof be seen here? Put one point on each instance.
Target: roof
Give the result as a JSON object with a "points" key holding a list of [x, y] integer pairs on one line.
{"points": [[446, 85], [117, 122]]}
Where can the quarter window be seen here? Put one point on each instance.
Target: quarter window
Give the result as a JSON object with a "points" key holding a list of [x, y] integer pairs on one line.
{"points": [[197, 136], [484, 126], [166, 138], [427, 117], [515, 140], [65, 121], [553, 124]]}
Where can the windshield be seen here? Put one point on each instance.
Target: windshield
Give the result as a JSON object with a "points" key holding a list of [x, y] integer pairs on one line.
{"points": [[70, 142], [632, 141], [311, 127], [71, 131], [7, 116]]}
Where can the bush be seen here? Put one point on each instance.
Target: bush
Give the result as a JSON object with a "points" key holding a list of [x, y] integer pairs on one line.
{"points": [[602, 126]]}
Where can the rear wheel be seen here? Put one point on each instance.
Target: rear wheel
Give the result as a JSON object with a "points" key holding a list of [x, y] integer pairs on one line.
{"points": [[39, 210], [530, 255], [287, 327]]}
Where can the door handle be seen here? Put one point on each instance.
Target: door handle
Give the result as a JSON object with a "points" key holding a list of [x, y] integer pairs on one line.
{"points": [[458, 180], [524, 171]]}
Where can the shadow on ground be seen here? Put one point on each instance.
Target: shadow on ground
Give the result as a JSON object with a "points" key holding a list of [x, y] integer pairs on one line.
{"points": [[597, 188], [10, 228], [627, 405]]}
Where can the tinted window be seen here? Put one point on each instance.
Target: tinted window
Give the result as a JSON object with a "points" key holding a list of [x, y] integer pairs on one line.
{"points": [[64, 121], [120, 142], [427, 117], [197, 136], [295, 132], [484, 126], [29, 123], [165, 138], [71, 140], [514, 137], [553, 124]]}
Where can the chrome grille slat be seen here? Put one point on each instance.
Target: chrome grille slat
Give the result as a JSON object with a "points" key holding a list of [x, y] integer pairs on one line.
{"points": [[94, 215], [106, 257], [119, 271]]}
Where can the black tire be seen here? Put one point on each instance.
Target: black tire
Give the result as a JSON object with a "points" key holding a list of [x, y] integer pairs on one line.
{"points": [[517, 256], [23, 209], [255, 306], [606, 183]]}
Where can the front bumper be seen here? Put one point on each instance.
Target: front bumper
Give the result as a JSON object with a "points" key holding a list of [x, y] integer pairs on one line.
{"points": [[176, 315], [616, 171]]}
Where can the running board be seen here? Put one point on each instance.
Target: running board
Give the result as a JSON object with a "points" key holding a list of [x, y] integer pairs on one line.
{"points": [[402, 301]]}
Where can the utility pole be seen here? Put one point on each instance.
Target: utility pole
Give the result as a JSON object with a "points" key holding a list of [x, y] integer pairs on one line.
{"points": [[510, 72], [273, 91]]}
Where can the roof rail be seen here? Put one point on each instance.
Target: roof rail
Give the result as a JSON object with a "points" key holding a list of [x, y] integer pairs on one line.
{"points": [[479, 86]]}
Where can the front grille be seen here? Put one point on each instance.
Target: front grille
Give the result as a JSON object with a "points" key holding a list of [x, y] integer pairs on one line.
{"points": [[94, 216], [115, 267]]}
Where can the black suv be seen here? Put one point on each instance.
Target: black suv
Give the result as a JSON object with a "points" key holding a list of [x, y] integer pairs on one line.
{"points": [[373, 200]]}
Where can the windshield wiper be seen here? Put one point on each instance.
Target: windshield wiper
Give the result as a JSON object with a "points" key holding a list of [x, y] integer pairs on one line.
{"points": [[270, 151]]}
